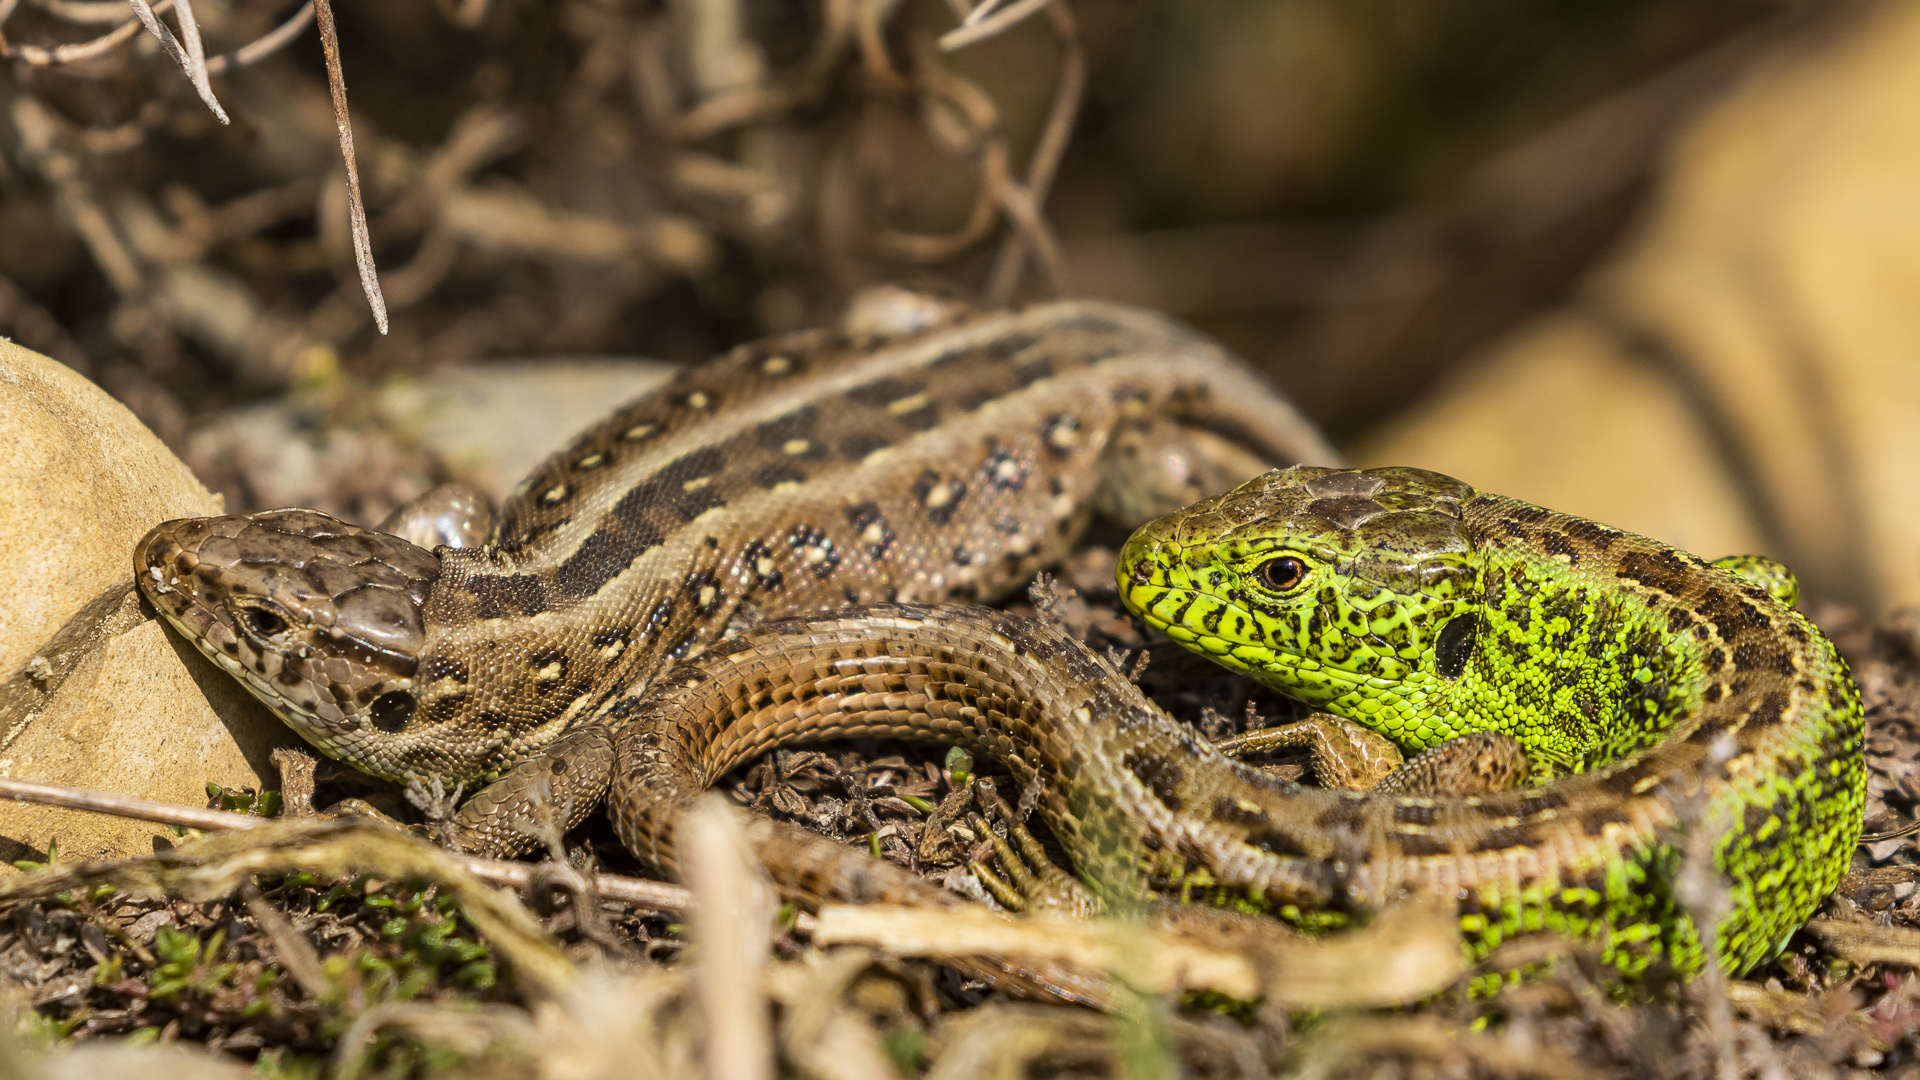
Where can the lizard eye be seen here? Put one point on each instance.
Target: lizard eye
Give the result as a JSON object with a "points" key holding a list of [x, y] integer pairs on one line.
{"points": [[1281, 574], [263, 623]]}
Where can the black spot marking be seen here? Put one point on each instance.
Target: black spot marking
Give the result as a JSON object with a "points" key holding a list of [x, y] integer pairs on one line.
{"points": [[656, 619], [1532, 804], [1161, 776], [1033, 370], [1009, 346], [1661, 571], [1005, 469], [445, 667], [1753, 656], [1554, 543], [923, 417], [816, 549], [1060, 434], [704, 590], [881, 393], [860, 444], [940, 498], [1420, 845], [768, 477], [517, 594], [1455, 646], [799, 424], [973, 398], [759, 560], [443, 709], [391, 711], [1412, 813], [549, 667]]}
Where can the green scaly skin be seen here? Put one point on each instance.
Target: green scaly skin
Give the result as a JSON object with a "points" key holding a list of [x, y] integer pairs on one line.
{"points": [[1410, 603]]}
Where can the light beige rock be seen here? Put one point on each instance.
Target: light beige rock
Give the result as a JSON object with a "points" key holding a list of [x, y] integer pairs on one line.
{"points": [[1770, 308], [114, 703], [1633, 456]]}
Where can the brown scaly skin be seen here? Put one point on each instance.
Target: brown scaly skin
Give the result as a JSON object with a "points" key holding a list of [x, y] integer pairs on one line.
{"points": [[802, 474]]}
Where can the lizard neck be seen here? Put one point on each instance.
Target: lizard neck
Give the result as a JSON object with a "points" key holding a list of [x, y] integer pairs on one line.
{"points": [[1580, 666]]}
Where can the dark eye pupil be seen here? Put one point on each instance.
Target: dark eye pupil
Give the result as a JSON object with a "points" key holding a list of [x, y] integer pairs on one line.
{"points": [[265, 623], [1282, 573]]}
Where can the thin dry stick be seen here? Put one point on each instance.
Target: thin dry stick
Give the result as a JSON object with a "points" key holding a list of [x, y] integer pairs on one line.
{"points": [[38, 131], [1041, 169], [196, 56], [81, 50], [264, 46], [191, 57], [980, 29], [356, 208], [989, 145], [650, 894], [81, 11]]}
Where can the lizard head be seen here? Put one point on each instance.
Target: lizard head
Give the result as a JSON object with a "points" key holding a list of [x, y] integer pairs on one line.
{"points": [[1328, 584], [320, 619]]}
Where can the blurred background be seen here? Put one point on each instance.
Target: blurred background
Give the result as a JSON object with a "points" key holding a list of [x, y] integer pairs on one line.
{"points": [[1655, 262]]}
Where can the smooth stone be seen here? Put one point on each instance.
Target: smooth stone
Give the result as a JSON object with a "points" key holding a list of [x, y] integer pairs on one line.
{"points": [[99, 694]]}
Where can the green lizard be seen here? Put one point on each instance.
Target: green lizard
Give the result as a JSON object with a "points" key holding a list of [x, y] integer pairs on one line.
{"points": [[1636, 678]]}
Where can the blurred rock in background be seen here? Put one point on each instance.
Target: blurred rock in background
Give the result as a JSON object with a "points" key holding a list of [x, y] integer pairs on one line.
{"points": [[1745, 374]]}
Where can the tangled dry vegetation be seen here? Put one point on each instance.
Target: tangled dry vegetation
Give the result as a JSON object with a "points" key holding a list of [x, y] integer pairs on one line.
{"points": [[682, 180], [325, 947]]}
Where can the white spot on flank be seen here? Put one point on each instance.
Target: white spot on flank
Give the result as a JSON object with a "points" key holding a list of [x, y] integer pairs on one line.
{"points": [[698, 400], [816, 555], [554, 494], [707, 593], [639, 431], [696, 484], [549, 673], [938, 495], [1062, 506], [591, 461], [796, 446], [776, 365], [612, 650], [874, 533], [763, 566]]}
